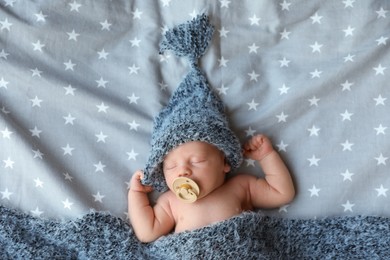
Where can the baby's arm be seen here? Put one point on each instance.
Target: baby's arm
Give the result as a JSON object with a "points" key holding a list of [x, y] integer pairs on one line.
{"points": [[149, 223], [276, 188]]}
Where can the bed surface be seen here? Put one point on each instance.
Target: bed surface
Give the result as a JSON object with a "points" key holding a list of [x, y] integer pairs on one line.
{"points": [[80, 83]]}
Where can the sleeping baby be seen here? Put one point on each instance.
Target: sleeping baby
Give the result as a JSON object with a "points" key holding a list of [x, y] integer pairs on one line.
{"points": [[198, 194], [192, 151]]}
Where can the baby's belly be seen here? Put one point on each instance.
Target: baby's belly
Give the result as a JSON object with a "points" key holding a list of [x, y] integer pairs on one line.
{"points": [[188, 221]]}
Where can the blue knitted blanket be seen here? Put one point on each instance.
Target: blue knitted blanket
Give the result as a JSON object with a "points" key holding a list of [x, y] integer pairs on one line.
{"points": [[250, 235]]}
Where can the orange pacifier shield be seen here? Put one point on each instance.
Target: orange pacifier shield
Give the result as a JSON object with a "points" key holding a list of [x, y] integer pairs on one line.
{"points": [[186, 189]]}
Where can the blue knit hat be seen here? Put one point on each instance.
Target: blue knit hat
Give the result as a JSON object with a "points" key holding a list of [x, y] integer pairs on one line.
{"points": [[194, 112]]}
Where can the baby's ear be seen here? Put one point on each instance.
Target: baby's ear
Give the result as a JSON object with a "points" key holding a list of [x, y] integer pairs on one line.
{"points": [[226, 167]]}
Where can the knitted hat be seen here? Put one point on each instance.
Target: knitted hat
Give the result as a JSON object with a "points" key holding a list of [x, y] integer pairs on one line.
{"points": [[194, 112]]}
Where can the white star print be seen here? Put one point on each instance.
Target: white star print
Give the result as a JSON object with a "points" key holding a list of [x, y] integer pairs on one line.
{"points": [[135, 42], [282, 117], [252, 105], [347, 146], [285, 34], [101, 83], [101, 137], [313, 130], [381, 191], [133, 125], [69, 65], [285, 5], [9, 2], [193, 14], [349, 57], [3, 54], [253, 48], [250, 131], [6, 133], [98, 197], [282, 146], [223, 32], [380, 130], [102, 54], [254, 20], [382, 40], [346, 115], [38, 154], [35, 132], [3, 83], [69, 90], [222, 90], [41, 17], [69, 119], [316, 18], [6, 194], [348, 3], [316, 47], [348, 31], [105, 25], [162, 85], [5, 25], [132, 155], [348, 206], [347, 175], [73, 35], [102, 108], [316, 74], [8, 163], [380, 100], [381, 159], [381, 13], [36, 72], [136, 14], [222, 62], [36, 212], [314, 191], [67, 204], [74, 6], [99, 167], [133, 69], [250, 162], [165, 2], [314, 101], [38, 46], [253, 75], [38, 183], [379, 70], [284, 62], [67, 149], [283, 89], [313, 161], [133, 99], [347, 85], [68, 177], [225, 3], [36, 102]]}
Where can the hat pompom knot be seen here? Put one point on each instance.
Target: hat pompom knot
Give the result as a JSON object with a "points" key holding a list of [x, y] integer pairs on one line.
{"points": [[189, 39]]}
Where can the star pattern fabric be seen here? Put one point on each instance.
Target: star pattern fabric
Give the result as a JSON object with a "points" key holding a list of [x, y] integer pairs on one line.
{"points": [[80, 83]]}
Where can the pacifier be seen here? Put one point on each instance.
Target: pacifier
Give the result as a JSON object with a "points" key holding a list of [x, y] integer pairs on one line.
{"points": [[186, 189]]}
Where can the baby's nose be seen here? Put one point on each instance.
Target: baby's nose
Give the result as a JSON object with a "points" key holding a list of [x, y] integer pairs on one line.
{"points": [[185, 172]]}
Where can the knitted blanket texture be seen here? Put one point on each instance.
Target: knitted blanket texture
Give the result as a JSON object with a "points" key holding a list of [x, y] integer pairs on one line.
{"points": [[250, 235]]}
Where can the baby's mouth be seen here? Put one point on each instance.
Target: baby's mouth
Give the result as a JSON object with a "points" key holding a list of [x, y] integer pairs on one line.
{"points": [[186, 189]]}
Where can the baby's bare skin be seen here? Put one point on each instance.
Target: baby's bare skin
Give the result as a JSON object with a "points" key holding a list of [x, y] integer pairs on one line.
{"points": [[218, 199]]}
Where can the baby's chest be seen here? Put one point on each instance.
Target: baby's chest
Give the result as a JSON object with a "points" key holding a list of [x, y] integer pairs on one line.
{"points": [[193, 216]]}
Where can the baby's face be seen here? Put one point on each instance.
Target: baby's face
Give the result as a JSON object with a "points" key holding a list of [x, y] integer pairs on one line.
{"points": [[199, 161]]}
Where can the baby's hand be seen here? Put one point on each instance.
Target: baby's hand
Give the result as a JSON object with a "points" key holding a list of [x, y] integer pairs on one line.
{"points": [[136, 185], [258, 147]]}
